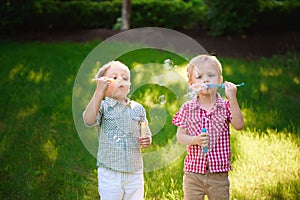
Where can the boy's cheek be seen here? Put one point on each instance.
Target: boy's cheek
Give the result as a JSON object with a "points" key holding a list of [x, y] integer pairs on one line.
{"points": [[109, 91], [107, 94]]}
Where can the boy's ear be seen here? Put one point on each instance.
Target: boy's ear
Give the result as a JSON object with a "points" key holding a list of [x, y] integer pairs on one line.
{"points": [[221, 79]]}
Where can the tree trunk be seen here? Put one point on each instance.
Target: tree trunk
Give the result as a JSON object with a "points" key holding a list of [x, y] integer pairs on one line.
{"points": [[126, 12]]}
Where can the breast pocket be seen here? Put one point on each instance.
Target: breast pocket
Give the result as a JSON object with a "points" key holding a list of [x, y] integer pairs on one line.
{"points": [[110, 123], [135, 122], [220, 123], [194, 126]]}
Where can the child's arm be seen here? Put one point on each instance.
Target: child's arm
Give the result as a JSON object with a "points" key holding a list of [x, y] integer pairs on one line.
{"points": [[92, 109], [188, 140], [237, 116]]}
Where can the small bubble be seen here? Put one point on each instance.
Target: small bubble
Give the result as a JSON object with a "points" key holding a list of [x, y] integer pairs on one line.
{"points": [[196, 72], [168, 64], [116, 139], [199, 86], [162, 99], [191, 93]]}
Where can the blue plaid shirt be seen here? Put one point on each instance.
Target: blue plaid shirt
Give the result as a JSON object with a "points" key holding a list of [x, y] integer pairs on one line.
{"points": [[118, 134]]}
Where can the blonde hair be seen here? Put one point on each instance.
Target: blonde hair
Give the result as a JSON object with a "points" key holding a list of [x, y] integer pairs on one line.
{"points": [[201, 60], [102, 70]]}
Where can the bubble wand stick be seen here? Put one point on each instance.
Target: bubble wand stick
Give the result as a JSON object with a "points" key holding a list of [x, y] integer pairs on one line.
{"points": [[143, 129], [120, 82], [221, 85]]}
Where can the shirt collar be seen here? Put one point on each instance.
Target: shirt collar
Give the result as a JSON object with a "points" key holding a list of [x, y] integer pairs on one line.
{"points": [[220, 102], [112, 102]]}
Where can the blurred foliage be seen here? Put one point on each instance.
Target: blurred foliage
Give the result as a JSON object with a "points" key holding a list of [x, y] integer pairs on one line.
{"points": [[219, 16], [168, 14], [229, 16], [277, 15]]}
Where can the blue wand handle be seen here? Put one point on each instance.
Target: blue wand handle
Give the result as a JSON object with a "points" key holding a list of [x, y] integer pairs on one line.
{"points": [[222, 85], [204, 148]]}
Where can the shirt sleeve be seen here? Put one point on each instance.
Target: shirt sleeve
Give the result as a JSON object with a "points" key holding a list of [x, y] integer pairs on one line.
{"points": [[98, 119], [148, 131], [180, 118], [228, 111]]}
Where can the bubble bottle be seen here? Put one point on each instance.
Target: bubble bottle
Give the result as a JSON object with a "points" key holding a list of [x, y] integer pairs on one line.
{"points": [[204, 148]]}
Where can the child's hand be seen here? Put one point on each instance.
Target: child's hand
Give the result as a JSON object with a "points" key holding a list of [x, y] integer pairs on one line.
{"points": [[102, 85], [201, 140], [145, 141], [230, 90]]}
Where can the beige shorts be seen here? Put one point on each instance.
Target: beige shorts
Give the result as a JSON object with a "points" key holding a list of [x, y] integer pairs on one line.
{"points": [[214, 185]]}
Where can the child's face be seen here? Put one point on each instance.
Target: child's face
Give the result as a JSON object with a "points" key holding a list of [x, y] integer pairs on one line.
{"points": [[120, 83], [205, 74]]}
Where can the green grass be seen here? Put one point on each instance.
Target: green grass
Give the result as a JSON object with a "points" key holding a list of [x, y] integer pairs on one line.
{"points": [[42, 156]]}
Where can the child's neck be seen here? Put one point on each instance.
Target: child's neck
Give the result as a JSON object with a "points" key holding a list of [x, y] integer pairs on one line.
{"points": [[207, 102], [124, 101]]}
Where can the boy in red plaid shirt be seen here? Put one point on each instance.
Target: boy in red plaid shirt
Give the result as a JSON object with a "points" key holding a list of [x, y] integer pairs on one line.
{"points": [[207, 173]]}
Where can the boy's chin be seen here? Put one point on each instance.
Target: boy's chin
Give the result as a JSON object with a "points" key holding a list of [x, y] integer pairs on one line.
{"points": [[119, 97], [206, 92]]}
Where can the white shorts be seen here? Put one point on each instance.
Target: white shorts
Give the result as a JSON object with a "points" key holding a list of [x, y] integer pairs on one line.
{"points": [[114, 185]]}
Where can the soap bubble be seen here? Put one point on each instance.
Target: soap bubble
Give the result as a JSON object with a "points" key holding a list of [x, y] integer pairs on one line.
{"points": [[112, 49], [162, 99], [196, 72], [158, 117], [191, 93], [116, 139], [168, 64], [160, 80], [199, 86]]}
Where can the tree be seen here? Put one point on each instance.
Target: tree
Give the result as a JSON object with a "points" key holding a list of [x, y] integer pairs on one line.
{"points": [[126, 14]]}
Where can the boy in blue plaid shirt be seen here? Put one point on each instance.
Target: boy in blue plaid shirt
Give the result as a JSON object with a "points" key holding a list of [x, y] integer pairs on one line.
{"points": [[122, 131]]}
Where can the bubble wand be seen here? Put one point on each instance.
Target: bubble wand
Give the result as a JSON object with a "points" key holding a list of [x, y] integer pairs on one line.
{"points": [[143, 129], [211, 85], [196, 87], [120, 82]]}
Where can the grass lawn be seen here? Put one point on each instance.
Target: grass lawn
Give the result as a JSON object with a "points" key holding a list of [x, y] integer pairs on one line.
{"points": [[43, 157]]}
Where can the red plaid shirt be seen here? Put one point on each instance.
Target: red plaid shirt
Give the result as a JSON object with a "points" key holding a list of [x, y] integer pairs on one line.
{"points": [[193, 118]]}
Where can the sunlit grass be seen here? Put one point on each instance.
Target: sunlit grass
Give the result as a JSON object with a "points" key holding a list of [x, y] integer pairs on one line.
{"points": [[42, 156], [266, 165]]}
